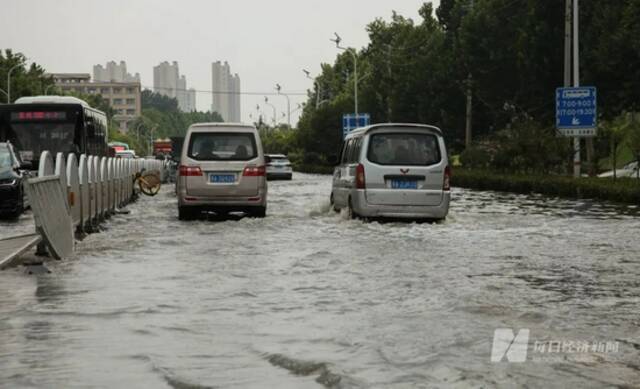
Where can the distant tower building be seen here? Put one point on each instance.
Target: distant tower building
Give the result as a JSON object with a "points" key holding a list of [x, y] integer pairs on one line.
{"points": [[167, 81], [226, 92], [114, 73], [191, 100]]}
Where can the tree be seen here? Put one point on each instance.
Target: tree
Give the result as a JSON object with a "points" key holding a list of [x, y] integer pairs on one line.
{"points": [[158, 101], [25, 81]]}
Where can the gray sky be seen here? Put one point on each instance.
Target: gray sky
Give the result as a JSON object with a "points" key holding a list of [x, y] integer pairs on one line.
{"points": [[266, 42]]}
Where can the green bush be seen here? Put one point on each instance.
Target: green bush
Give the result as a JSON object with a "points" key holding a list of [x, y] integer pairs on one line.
{"points": [[476, 157], [625, 190]]}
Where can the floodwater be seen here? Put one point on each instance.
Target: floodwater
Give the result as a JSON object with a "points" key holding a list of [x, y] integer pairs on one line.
{"points": [[308, 299]]}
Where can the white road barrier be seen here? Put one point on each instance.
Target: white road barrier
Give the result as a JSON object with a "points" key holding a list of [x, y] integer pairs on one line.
{"points": [[48, 199], [75, 194]]}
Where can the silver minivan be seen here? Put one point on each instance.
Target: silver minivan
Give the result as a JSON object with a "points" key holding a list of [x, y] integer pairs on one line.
{"points": [[222, 169], [393, 171]]}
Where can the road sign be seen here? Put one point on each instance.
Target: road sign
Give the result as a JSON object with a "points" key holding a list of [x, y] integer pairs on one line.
{"points": [[351, 122], [576, 111]]}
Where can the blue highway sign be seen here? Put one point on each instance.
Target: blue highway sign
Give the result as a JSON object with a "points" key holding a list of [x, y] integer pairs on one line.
{"points": [[576, 111], [351, 122]]}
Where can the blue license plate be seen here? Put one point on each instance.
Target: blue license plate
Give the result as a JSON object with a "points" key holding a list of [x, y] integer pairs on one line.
{"points": [[222, 178], [404, 184]]}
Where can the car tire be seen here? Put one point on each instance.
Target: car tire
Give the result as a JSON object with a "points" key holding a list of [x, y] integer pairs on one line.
{"points": [[19, 207], [259, 212], [187, 213], [350, 212], [333, 204]]}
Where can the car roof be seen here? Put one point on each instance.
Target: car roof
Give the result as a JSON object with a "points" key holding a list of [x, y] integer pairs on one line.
{"points": [[393, 126], [204, 127]]}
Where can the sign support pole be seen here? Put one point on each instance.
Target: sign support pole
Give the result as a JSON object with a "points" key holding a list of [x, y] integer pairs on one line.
{"points": [[576, 83]]}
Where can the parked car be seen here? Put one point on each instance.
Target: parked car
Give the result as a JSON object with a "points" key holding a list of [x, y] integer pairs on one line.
{"points": [[13, 172], [628, 170], [278, 167], [395, 171], [126, 154], [222, 169]]}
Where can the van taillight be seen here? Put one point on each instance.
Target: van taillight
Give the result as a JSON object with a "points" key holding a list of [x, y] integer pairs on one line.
{"points": [[190, 171], [360, 184], [447, 178], [254, 171]]}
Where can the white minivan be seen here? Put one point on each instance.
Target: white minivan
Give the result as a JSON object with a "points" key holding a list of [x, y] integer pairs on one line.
{"points": [[393, 171], [222, 169]]}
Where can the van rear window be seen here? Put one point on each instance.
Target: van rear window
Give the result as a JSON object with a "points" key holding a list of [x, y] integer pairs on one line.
{"points": [[404, 149], [221, 146]]}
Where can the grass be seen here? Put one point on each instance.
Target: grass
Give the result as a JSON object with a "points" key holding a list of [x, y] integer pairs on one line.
{"points": [[622, 190]]}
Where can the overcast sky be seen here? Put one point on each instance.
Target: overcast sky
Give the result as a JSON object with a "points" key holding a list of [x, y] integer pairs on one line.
{"points": [[265, 42]]}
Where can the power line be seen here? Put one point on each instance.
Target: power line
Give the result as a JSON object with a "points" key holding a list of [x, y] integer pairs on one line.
{"points": [[226, 92]]}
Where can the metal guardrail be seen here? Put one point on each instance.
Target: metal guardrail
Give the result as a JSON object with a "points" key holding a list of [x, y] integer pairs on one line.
{"points": [[75, 194]]}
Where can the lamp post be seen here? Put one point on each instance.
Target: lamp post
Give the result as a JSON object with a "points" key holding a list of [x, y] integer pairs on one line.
{"points": [[266, 101], [46, 90], [138, 131], [151, 140], [355, 68], [279, 89], [300, 106], [9, 82], [306, 72]]}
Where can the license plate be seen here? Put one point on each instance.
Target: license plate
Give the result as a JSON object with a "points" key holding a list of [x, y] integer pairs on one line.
{"points": [[403, 184], [222, 178]]}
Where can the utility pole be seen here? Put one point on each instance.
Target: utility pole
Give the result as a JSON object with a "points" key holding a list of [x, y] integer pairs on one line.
{"points": [[576, 83], [389, 74], [468, 128], [567, 44], [469, 114]]}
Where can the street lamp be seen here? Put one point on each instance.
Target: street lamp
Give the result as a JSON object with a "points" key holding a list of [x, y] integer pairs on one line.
{"points": [[46, 90], [300, 106], [355, 67], [138, 131], [266, 101], [317, 84], [9, 82], [279, 89]]}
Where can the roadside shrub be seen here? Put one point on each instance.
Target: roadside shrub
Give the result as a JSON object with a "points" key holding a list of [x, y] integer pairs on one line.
{"points": [[475, 157], [313, 158], [623, 190]]}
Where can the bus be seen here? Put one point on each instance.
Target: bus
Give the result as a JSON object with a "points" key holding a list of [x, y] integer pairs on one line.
{"points": [[53, 123]]}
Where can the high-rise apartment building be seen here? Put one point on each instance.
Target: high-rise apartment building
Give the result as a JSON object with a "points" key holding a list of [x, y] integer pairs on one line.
{"points": [[226, 92], [168, 81], [114, 72]]}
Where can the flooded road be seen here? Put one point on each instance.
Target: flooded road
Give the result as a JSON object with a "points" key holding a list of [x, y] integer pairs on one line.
{"points": [[308, 299]]}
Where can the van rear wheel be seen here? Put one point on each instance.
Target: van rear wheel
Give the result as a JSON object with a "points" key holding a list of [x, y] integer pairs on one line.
{"points": [[259, 212], [350, 212], [333, 204], [188, 213]]}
